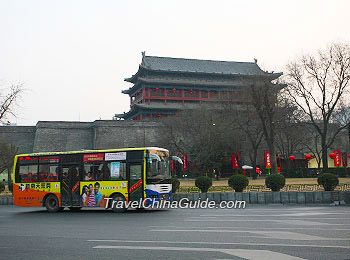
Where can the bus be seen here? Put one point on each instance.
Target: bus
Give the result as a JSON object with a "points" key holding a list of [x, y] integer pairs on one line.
{"points": [[92, 178]]}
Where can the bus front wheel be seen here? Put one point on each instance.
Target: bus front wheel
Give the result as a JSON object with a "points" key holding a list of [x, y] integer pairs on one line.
{"points": [[51, 203], [118, 204]]}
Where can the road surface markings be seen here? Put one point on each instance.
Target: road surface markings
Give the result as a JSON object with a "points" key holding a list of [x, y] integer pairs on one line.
{"points": [[282, 221], [243, 253], [217, 243], [301, 214], [261, 228], [263, 234]]}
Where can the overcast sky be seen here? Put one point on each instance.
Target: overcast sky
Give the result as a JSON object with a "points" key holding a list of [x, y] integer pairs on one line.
{"points": [[73, 56]]}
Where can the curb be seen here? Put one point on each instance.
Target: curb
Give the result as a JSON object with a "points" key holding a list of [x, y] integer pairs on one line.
{"points": [[289, 197], [6, 200]]}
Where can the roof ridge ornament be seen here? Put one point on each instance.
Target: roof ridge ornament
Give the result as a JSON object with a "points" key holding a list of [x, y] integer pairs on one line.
{"points": [[143, 53]]}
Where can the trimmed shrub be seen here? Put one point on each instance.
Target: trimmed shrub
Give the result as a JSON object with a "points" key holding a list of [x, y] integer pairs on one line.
{"points": [[275, 182], [204, 183], [238, 182], [328, 180], [175, 183], [2, 187]]}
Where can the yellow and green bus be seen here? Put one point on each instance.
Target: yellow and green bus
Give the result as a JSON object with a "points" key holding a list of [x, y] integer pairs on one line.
{"points": [[92, 178]]}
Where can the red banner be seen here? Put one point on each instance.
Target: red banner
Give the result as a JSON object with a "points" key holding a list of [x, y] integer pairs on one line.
{"points": [[135, 187], [172, 165], [75, 186], [185, 161], [93, 157], [267, 159], [344, 157], [234, 162], [337, 158]]}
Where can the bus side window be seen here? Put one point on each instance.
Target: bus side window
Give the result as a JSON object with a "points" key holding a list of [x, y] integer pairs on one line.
{"points": [[93, 171], [106, 172], [48, 168], [123, 171], [135, 171], [48, 172], [28, 173], [117, 171]]}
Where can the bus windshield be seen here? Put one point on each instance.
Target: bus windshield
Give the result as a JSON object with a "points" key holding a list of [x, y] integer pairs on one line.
{"points": [[158, 165]]}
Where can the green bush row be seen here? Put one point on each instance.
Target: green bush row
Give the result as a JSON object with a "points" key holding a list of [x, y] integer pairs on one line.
{"points": [[239, 182]]}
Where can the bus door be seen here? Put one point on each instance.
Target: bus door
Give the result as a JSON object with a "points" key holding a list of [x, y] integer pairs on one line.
{"points": [[70, 190], [135, 171]]}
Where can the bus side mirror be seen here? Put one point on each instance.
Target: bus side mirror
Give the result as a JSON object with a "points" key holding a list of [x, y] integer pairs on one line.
{"points": [[178, 159]]}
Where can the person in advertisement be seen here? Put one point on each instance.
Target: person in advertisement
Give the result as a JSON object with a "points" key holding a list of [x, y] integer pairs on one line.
{"points": [[91, 201], [98, 195], [85, 195]]}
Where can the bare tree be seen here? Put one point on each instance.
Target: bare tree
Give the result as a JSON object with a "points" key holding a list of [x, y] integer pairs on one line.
{"points": [[7, 154], [312, 144], [244, 116], [290, 133], [205, 134], [317, 86], [342, 118], [8, 98], [264, 96]]}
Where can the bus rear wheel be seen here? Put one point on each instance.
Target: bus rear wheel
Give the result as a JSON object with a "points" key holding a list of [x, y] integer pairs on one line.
{"points": [[51, 203], [118, 204]]}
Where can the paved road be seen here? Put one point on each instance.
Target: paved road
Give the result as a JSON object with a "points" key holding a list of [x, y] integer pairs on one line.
{"points": [[257, 232]]}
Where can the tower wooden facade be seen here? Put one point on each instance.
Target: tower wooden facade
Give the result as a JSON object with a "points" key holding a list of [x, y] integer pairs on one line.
{"points": [[165, 86]]}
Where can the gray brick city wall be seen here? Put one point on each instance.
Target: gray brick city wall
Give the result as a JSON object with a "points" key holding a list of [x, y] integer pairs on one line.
{"points": [[58, 136], [111, 134], [20, 136], [63, 136]]}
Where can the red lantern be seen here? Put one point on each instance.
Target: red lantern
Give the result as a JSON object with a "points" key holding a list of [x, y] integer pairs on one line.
{"points": [[157, 89], [332, 155], [292, 157], [191, 91], [159, 115], [307, 156], [174, 89], [139, 91]]}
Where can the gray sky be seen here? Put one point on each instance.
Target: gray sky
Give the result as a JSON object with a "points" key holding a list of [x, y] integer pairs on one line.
{"points": [[73, 56]]}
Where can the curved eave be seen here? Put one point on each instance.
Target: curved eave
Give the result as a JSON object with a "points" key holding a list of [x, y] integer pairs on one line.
{"points": [[134, 77], [276, 75], [281, 86]]}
